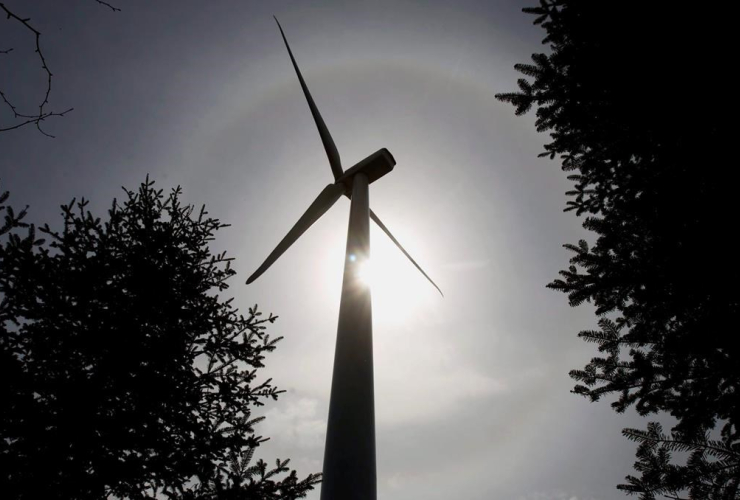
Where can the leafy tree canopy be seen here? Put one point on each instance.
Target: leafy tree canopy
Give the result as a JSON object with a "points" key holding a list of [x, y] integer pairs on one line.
{"points": [[630, 94], [124, 372]]}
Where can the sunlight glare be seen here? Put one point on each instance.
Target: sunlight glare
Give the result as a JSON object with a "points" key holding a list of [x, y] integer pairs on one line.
{"points": [[366, 273], [400, 293], [401, 296]]}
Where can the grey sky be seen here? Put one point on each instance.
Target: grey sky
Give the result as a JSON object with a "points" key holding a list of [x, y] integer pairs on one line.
{"points": [[472, 392]]}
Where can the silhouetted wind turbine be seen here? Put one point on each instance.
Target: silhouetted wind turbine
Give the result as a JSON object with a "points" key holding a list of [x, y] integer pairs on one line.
{"points": [[349, 456]]}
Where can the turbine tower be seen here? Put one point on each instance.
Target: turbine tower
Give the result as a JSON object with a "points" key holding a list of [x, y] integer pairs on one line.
{"points": [[349, 456]]}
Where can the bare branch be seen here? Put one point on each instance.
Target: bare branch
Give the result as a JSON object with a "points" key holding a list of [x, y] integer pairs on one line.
{"points": [[16, 114], [114, 9], [36, 119], [37, 34], [42, 114]]}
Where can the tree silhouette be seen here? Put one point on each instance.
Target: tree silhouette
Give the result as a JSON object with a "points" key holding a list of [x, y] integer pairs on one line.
{"points": [[634, 112], [124, 372]]}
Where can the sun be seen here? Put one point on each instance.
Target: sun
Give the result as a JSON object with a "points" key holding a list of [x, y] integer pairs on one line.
{"points": [[399, 291], [400, 294], [366, 272]]}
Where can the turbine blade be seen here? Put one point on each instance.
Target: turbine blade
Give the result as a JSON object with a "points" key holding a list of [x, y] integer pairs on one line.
{"points": [[331, 149], [321, 204], [394, 240]]}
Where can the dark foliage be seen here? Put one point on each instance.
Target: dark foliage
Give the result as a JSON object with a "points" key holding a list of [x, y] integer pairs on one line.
{"points": [[124, 373], [630, 94]]}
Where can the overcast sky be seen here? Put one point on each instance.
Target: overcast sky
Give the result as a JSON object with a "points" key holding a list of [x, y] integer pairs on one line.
{"points": [[472, 391]]}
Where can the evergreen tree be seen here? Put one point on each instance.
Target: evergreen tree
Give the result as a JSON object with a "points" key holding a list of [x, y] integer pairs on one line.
{"points": [[125, 374], [629, 95]]}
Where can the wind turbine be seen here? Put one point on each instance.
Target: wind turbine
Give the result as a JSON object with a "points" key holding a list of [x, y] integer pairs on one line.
{"points": [[349, 456]]}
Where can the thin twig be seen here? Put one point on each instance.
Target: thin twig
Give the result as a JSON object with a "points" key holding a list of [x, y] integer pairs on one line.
{"points": [[114, 9], [30, 119], [42, 114], [37, 120], [45, 66]]}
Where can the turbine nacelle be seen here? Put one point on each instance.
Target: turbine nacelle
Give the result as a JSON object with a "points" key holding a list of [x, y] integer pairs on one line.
{"points": [[374, 167], [349, 456]]}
